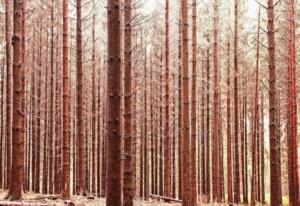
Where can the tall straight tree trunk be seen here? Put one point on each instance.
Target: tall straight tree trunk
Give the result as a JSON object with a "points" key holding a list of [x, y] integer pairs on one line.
{"points": [[262, 149], [194, 104], [17, 174], [113, 190], [186, 180], [33, 122], [104, 143], [39, 96], [275, 179], [174, 182], [99, 127], [167, 156], [216, 122], [2, 125], [82, 187], [203, 152], [229, 136], [128, 186], [179, 110], [146, 140], [134, 131], [51, 112], [244, 148], [9, 87], [94, 112], [237, 197], [46, 131], [292, 108], [161, 127], [208, 178], [254, 184], [66, 105]]}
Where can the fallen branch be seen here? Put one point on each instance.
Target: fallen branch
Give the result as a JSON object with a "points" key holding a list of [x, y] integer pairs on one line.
{"points": [[165, 199]]}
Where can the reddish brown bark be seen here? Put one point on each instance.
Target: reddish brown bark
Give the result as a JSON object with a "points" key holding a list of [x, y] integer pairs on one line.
{"points": [[17, 174], [81, 152], [39, 96], [113, 167], [9, 88], [94, 113], [179, 110], [276, 196], [208, 177], [146, 139], [228, 131], [51, 110], [2, 125], [237, 197], [128, 186], [46, 131], [161, 128], [66, 106], [167, 156], [262, 149], [194, 103], [186, 190], [292, 107], [203, 141]]}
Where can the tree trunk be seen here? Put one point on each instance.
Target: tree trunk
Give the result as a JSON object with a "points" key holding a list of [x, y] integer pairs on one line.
{"points": [[194, 103], [128, 186], [229, 142], [167, 158], [17, 174], [9, 88], [186, 180], [216, 122], [292, 108], [66, 105], [113, 167], [275, 180], [179, 110], [39, 96], [94, 112], [81, 175], [208, 178], [237, 198]]}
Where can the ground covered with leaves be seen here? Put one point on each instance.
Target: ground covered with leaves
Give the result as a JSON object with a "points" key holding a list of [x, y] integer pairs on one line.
{"points": [[33, 199]]}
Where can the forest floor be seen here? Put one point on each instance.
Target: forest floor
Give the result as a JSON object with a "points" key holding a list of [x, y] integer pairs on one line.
{"points": [[33, 199]]}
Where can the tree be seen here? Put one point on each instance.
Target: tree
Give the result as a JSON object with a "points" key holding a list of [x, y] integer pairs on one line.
{"points": [[17, 174], [81, 166], [276, 196], [186, 191], [66, 105], [94, 113], [229, 136], [113, 180], [167, 156], [292, 108], [194, 104], [8, 36], [128, 177], [237, 198]]}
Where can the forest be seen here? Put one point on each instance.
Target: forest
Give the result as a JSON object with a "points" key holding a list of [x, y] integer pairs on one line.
{"points": [[149, 102]]}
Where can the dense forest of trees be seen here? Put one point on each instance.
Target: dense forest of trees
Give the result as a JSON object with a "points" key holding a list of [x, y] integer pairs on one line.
{"points": [[182, 101]]}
